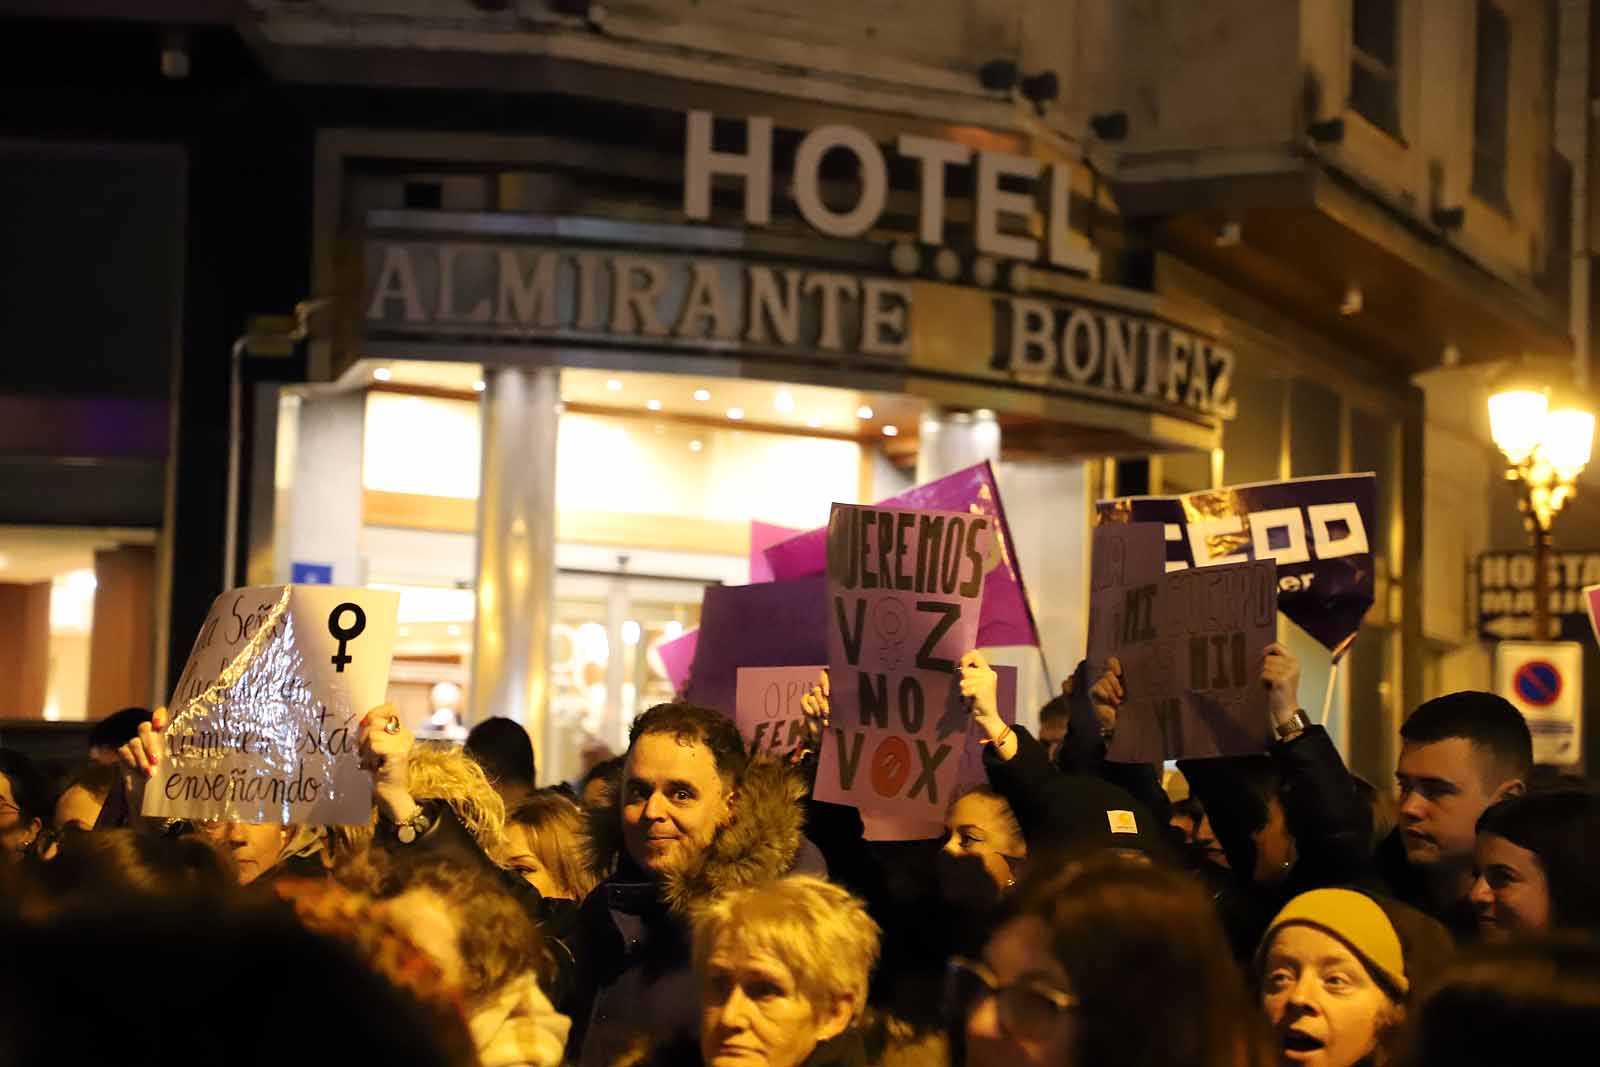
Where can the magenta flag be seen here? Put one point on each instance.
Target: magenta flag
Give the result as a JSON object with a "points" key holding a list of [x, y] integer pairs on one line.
{"points": [[1004, 617], [676, 656], [763, 535]]}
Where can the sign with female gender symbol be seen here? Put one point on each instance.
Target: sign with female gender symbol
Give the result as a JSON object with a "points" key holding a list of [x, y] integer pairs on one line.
{"points": [[266, 717], [904, 589]]}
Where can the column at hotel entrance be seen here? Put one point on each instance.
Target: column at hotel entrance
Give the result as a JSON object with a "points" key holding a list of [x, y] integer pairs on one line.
{"points": [[516, 547]]}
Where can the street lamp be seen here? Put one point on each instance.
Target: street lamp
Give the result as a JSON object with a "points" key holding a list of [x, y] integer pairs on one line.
{"points": [[1546, 446]]}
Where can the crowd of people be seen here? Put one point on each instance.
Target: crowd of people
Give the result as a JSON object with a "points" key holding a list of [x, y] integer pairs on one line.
{"points": [[688, 903]]}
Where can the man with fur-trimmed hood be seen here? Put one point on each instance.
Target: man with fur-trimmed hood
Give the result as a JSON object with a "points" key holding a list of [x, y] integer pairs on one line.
{"points": [[692, 818]]}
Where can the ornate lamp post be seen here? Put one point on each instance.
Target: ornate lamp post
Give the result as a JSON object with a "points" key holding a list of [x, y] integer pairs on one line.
{"points": [[1547, 443]]}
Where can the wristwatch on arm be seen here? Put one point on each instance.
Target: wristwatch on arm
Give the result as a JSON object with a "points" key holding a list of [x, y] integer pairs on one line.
{"points": [[1294, 726]]}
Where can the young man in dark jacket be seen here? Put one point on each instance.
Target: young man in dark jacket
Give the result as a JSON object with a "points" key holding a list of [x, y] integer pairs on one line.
{"points": [[1459, 754], [692, 818]]}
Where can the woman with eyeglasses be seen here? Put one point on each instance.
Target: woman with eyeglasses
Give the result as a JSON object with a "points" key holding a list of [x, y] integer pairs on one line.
{"points": [[1100, 964]]}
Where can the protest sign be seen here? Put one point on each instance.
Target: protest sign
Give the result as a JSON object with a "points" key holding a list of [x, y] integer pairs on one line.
{"points": [[1315, 529], [770, 624], [767, 707], [1191, 644], [763, 535], [903, 594], [677, 656], [266, 717], [771, 719], [1005, 616]]}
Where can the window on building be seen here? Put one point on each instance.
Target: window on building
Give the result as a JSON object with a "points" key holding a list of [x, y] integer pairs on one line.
{"points": [[1489, 111], [1375, 63]]}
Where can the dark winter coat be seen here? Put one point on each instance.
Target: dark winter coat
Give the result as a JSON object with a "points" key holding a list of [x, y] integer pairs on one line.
{"points": [[1330, 822], [633, 972], [1069, 812]]}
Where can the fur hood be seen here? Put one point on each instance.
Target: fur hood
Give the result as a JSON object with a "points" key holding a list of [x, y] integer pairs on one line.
{"points": [[759, 843]]}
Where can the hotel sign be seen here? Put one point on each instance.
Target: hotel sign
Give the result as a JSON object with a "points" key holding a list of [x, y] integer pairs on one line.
{"points": [[839, 300]]}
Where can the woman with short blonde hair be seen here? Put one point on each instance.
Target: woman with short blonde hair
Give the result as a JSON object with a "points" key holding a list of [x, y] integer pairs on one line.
{"points": [[783, 971]]}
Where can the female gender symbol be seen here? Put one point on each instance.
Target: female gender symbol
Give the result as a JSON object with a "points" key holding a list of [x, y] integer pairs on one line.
{"points": [[344, 634], [893, 625]]}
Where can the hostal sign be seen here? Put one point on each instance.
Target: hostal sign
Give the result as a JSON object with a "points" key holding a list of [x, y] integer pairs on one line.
{"points": [[599, 283]]}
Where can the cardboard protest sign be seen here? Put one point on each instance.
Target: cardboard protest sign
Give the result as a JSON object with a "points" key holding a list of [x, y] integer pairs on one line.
{"points": [[1191, 644], [266, 717], [1318, 530], [771, 720], [903, 594], [770, 624], [767, 707], [1005, 616]]}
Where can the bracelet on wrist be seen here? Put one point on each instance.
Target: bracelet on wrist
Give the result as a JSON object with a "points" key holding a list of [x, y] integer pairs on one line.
{"points": [[998, 741]]}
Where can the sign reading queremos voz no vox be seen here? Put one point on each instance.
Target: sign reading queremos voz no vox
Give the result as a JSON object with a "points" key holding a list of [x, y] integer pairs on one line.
{"points": [[675, 301]]}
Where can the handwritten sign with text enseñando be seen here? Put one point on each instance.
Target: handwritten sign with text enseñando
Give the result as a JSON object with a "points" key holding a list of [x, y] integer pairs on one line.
{"points": [[266, 715]]}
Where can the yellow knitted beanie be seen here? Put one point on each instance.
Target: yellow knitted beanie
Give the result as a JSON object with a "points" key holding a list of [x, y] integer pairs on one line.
{"points": [[1358, 921]]}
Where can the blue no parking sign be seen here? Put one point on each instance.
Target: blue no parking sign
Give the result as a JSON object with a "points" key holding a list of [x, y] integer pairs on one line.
{"points": [[1538, 683], [1544, 680]]}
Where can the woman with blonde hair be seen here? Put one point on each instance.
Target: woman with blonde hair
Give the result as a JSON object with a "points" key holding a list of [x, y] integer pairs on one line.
{"points": [[783, 969], [542, 845]]}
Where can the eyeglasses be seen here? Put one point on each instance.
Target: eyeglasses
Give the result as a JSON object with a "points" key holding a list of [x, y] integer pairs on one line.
{"points": [[1027, 1008]]}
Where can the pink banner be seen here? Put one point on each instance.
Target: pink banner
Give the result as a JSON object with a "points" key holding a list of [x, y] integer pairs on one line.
{"points": [[676, 656], [1004, 616], [904, 588], [763, 535]]}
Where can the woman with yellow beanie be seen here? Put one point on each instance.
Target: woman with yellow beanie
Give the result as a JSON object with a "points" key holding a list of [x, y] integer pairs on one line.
{"points": [[1335, 970]]}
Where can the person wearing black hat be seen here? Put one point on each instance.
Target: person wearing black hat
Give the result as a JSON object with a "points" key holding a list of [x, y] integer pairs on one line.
{"points": [[1057, 812]]}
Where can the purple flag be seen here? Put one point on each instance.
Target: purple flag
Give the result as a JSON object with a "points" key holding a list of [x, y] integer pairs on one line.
{"points": [[1005, 617], [677, 656], [763, 535]]}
